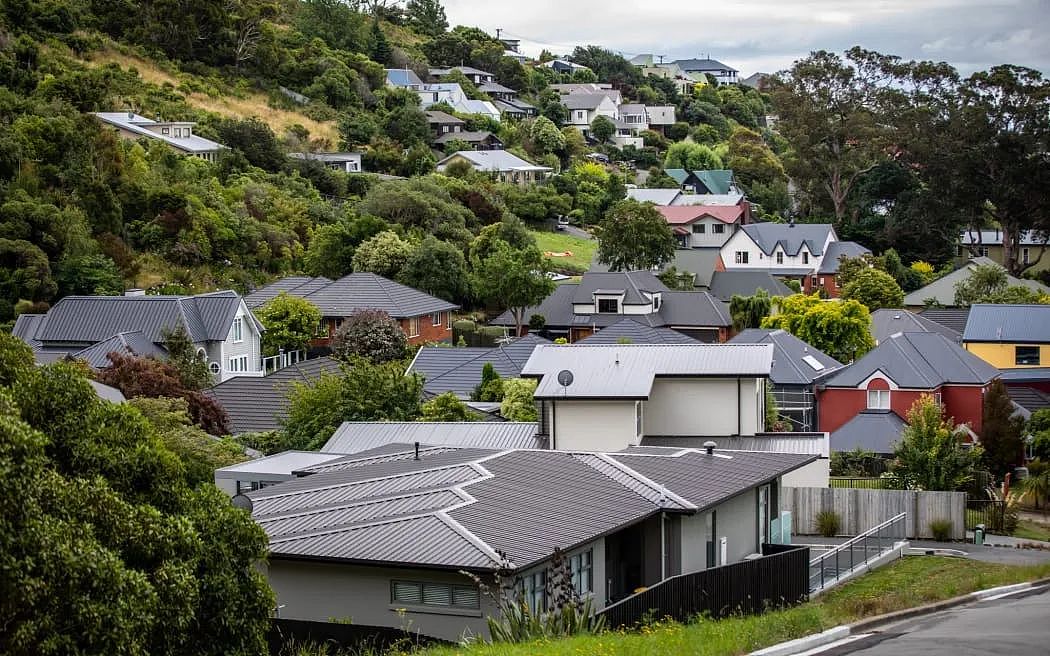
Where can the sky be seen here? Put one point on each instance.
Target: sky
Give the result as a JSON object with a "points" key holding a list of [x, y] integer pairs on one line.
{"points": [[767, 35]]}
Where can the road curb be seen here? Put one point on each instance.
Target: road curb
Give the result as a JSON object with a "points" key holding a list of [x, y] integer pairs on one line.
{"points": [[864, 626]]}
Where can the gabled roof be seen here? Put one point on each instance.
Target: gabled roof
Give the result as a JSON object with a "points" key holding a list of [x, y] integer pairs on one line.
{"points": [[790, 236], [686, 214], [1028, 398], [654, 196], [261, 403], [870, 430], [357, 436], [357, 291], [694, 309], [635, 285], [716, 181], [495, 87], [953, 319], [703, 65], [886, 322], [701, 262], [493, 160], [469, 137], [632, 108], [130, 343], [709, 199], [145, 127], [465, 70], [402, 77], [443, 118], [1008, 324], [513, 106], [584, 100], [627, 371], [838, 250], [458, 370], [632, 332], [943, 289], [91, 319], [727, 284], [922, 361], [794, 361], [28, 326], [451, 507]]}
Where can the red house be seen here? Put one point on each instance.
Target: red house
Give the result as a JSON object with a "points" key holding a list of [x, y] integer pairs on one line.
{"points": [[898, 371]]}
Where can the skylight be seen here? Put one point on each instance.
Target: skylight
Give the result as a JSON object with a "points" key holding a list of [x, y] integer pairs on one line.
{"points": [[813, 362]]}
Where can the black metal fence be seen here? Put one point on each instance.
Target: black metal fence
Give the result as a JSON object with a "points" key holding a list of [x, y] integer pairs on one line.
{"points": [[857, 483], [780, 578], [285, 636], [990, 512]]}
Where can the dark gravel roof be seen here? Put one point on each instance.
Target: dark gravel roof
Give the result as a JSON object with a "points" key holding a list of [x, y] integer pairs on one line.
{"points": [[357, 291], [458, 370]]}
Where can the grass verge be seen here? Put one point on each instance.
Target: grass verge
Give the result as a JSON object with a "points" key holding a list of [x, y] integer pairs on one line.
{"points": [[911, 582], [1032, 531], [559, 242]]}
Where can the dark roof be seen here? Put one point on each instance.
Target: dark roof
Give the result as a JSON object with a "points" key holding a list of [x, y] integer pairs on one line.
{"points": [[468, 137], [442, 118], [91, 319], [460, 508], [701, 262], [458, 370], [633, 284], [715, 181], [886, 322], [494, 87], [261, 403], [357, 291], [27, 326], [918, 361], [727, 284], [689, 309], [583, 100], [953, 319], [1025, 375], [635, 333], [794, 361], [838, 250], [870, 430], [133, 343], [790, 236], [357, 436], [1010, 324], [1028, 398], [703, 65]]}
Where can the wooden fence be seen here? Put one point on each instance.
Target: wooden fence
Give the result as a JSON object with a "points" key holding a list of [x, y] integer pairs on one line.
{"points": [[860, 509]]}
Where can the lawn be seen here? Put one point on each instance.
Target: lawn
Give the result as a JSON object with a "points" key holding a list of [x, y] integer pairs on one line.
{"points": [[1032, 531], [908, 583], [559, 242]]}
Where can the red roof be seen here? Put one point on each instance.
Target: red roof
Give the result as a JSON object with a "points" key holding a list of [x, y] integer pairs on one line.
{"points": [[684, 214]]}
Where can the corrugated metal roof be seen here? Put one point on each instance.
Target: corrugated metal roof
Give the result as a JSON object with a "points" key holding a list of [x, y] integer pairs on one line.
{"points": [[458, 370], [27, 326], [281, 463], [628, 370], [141, 125], [789, 356], [133, 343], [1008, 324], [1028, 398], [631, 332], [870, 430], [814, 444], [654, 196], [918, 361], [353, 437], [1025, 375], [494, 160], [953, 319]]}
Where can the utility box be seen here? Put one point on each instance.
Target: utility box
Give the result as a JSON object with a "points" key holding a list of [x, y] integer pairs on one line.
{"points": [[978, 534]]}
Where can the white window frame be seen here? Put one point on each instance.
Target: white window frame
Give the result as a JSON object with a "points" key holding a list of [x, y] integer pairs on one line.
{"points": [[719, 229], [882, 399], [435, 319], [780, 257], [741, 257], [699, 228], [237, 330], [598, 305], [448, 321]]}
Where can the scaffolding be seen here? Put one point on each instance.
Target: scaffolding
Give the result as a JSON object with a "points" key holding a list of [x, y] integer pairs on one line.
{"points": [[797, 405]]}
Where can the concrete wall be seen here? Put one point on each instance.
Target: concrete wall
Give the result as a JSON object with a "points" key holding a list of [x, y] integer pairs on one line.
{"points": [[593, 425], [860, 510], [694, 542], [704, 406], [321, 592]]}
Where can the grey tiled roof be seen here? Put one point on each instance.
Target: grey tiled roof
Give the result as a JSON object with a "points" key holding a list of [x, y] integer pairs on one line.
{"points": [[494, 160], [837, 250], [443, 118], [702, 65], [1028, 398], [1010, 324], [726, 284], [953, 319], [469, 137], [918, 361], [583, 100], [870, 430], [886, 322], [133, 343], [790, 236], [1025, 375], [791, 357], [691, 309], [458, 370], [636, 333], [356, 436], [633, 284], [357, 291], [460, 508], [261, 403]]}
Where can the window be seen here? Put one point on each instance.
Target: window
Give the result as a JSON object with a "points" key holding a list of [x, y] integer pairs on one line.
{"points": [[582, 572], [354, 166], [878, 399], [413, 327], [608, 306], [165, 130], [178, 132], [238, 330], [805, 258], [741, 257], [415, 593], [699, 228], [581, 116], [214, 367], [937, 398], [435, 319], [780, 257], [1026, 355], [239, 364], [1025, 256], [638, 418], [448, 321], [719, 229], [821, 282], [533, 591]]}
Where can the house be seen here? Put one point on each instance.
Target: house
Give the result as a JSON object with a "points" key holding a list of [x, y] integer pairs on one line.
{"points": [[704, 226], [177, 134], [448, 93], [479, 140], [1009, 336], [953, 319], [989, 243], [722, 73], [797, 369], [475, 75], [661, 117], [345, 162], [589, 88], [725, 285], [585, 107], [387, 536], [703, 263], [422, 317], [704, 182], [732, 198], [564, 66], [500, 164], [404, 78], [886, 322], [634, 116], [898, 371], [497, 91], [261, 404], [942, 291], [443, 123], [458, 370], [685, 82], [515, 108], [877, 431], [600, 299], [654, 196], [615, 394], [827, 278], [222, 329]]}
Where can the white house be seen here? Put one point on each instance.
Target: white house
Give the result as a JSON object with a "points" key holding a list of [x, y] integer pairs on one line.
{"points": [[585, 107], [177, 134], [345, 162], [506, 166], [704, 226], [722, 73]]}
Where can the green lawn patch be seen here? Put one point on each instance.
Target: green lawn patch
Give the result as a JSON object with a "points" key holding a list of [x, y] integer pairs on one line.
{"points": [[911, 582], [1032, 531], [559, 242]]}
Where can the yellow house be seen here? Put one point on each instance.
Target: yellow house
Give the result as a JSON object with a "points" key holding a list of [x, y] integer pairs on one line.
{"points": [[1009, 336]]}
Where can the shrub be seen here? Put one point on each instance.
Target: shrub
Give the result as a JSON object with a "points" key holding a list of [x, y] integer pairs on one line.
{"points": [[464, 326], [828, 523], [942, 530]]}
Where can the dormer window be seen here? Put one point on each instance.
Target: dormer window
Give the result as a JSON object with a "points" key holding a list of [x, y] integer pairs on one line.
{"points": [[165, 130], [608, 306], [657, 300], [805, 257]]}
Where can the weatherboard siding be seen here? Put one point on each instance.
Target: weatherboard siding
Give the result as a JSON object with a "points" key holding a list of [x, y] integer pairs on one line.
{"points": [[249, 346], [1004, 356]]}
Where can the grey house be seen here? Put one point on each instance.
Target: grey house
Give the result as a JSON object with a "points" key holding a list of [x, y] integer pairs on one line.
{"points": [[382, 537], [458, 370], [887, 322]]}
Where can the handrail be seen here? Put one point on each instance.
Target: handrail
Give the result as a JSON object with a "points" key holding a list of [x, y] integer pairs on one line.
{"points": [[858, 538]]}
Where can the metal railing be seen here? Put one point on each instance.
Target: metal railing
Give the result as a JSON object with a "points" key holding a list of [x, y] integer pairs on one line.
{"points": [[832, 566], [861, 483], [990, 512], [282, 360]]}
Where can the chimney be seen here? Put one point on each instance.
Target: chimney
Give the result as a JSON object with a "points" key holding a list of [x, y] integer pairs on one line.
{"points": [[710, 447], [135, 292], [417, 450]]}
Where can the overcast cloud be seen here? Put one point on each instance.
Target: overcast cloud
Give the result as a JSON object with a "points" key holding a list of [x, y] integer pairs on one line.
{"points": [[767, 36]]}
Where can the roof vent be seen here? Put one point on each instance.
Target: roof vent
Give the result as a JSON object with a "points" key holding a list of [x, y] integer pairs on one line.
{"points": [[417, 451], [710, 447], [135, 292]]}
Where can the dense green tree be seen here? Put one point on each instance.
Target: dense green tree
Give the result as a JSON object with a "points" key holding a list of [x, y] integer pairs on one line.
{"points": [[513, 279], [874, 289], [254, 139], [446, 407], [602, 129], [752, 160], [546, 137], [930, 454], [439, 269], [692, 157], [491, 386], [332, 248], [749, 311], [989, 283], [88, 275], [372, 335], [25, 272], [384, 254], [182, 354], [518, 403], [290, 322], [378, 46], [841, 328], [1001, 431], [634, 236]]}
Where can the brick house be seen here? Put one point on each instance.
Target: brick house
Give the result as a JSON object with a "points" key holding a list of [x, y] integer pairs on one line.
{"points": [[422, 317], [893, 375]]}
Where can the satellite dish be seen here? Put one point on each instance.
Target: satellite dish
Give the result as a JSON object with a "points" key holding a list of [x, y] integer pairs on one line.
{"points": [[565, 378], [243, 502]]}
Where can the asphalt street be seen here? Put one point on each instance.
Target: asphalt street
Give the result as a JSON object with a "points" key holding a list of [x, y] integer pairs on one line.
{"points": [[1016, 625]]}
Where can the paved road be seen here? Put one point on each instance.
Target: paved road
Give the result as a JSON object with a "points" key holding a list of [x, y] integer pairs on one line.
{"points": [[1017, 625]]}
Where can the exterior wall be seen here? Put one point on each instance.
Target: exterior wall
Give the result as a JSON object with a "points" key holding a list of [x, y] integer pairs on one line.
{"points": [[703, 406], [250, 346], [599, 580], [826, 282], [593, 425], [758, 260], [694, 542], [815, 474], [321, 592], [965, 404], [1003, 356], [738, 523], [710, 238], [837, 406], [428, 332]]}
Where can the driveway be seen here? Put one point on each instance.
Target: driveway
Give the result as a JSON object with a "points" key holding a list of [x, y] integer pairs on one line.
{"points": [[1004, 555]]}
